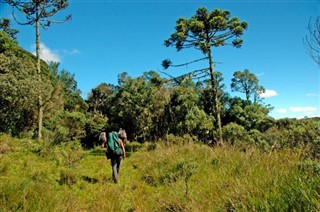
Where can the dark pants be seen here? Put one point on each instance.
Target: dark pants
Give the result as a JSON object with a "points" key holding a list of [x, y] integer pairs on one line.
{"points": [[115, 165]]}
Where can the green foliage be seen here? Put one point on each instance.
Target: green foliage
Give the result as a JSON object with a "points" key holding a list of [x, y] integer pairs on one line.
{"points": [[133, 146], [69, 154], [39, 11], [203, 31], [258, 138], [248, 115], [64, 108], [206, 29], [96, 123], [301, 134], [6, 43], [233, 133], [143, 101], [66, 126], [174, 140], [185, 116], [5, 27], [101, 98], [17, 88], [248, 83], [72, 99]]}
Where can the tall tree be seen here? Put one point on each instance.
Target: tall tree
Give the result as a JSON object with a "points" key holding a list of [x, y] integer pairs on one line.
{"points": [[203, 31], [312, 41], [5, 26], [247, 83], [38, 13]]}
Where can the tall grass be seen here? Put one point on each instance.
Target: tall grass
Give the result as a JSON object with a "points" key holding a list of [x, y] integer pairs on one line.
{"points": [[159, 177]]}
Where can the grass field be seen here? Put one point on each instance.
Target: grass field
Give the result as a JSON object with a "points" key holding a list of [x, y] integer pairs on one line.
{"points": [[158, 177]]}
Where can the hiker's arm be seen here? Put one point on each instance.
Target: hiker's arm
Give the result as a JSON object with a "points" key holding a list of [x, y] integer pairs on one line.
{"points": [[123, 149], [103, 144]]}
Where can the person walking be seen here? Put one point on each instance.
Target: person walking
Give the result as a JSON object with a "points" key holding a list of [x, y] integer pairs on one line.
{"points": [[115, 152]]}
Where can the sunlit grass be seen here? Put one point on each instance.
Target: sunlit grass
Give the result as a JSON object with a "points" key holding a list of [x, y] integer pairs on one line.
{"points": [[162, 177]]}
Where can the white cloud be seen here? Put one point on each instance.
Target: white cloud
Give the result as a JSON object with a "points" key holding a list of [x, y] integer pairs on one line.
{"points": [[47, 54], [302, 109], [268, 93], [312, 94], [282, 110], [260, 74], [72, 52], [314, 115]]}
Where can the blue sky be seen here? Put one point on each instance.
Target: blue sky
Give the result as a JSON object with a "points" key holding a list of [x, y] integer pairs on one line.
{"points": [[106, 38]]}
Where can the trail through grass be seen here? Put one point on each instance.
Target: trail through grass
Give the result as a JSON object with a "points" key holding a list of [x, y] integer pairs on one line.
{"points": [[189, 177]]}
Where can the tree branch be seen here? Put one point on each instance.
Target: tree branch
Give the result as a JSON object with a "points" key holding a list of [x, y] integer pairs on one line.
{"points": [[312, 41]]}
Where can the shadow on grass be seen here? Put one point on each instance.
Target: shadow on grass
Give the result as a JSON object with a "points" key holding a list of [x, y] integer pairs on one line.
{"points": [[89, 179]]}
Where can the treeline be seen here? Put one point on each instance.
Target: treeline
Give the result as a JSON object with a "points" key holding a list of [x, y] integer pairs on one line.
{"points": [[148, 107]]}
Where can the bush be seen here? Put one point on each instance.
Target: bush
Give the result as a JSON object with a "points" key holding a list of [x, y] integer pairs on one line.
{"points": [[234, 133], [179, 140], [301, 134], [133, 146], [69, 154], [258, 138]]}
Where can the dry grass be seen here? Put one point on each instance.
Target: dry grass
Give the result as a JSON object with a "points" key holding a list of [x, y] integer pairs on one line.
{"points": [[183, 177]]}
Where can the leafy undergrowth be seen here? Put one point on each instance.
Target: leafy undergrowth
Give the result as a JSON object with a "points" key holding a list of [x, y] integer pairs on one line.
{"points": [[162, 177]]}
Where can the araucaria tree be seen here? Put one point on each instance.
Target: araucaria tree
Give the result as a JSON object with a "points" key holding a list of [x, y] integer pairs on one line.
{"points": [[203, 31], [38, 13]]}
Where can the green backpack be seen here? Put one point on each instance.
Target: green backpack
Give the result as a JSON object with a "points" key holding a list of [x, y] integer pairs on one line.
{"points": [[113, 145]]}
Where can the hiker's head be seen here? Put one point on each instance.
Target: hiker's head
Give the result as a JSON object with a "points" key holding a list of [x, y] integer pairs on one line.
{"points": [[102, 136], [122, 135]]}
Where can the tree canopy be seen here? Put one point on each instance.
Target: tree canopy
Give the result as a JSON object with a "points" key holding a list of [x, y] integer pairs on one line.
{"points": [[149, 107], [247, 83]]}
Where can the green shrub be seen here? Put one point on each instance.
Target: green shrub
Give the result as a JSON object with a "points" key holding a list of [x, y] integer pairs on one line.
{"points": [[133, 146], [171, 139], [234, 133], [258, 138], [69, 154], [300, 134]]}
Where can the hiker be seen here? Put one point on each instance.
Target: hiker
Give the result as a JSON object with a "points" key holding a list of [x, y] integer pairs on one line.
{"points": [[115, 152], [123, 135], [103, 138]]}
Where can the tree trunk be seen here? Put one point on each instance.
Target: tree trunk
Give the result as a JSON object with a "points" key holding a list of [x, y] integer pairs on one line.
{"points": [[40, 106], [216, 99]]}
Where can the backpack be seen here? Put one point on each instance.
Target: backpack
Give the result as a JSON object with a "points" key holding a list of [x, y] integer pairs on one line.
{"points": [[113, 145]]}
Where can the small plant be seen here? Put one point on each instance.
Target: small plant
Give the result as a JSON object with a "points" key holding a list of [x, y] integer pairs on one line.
{"points": [[69, 153], [133, 146], [185, 170], [67, 177], [151, 147]]}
